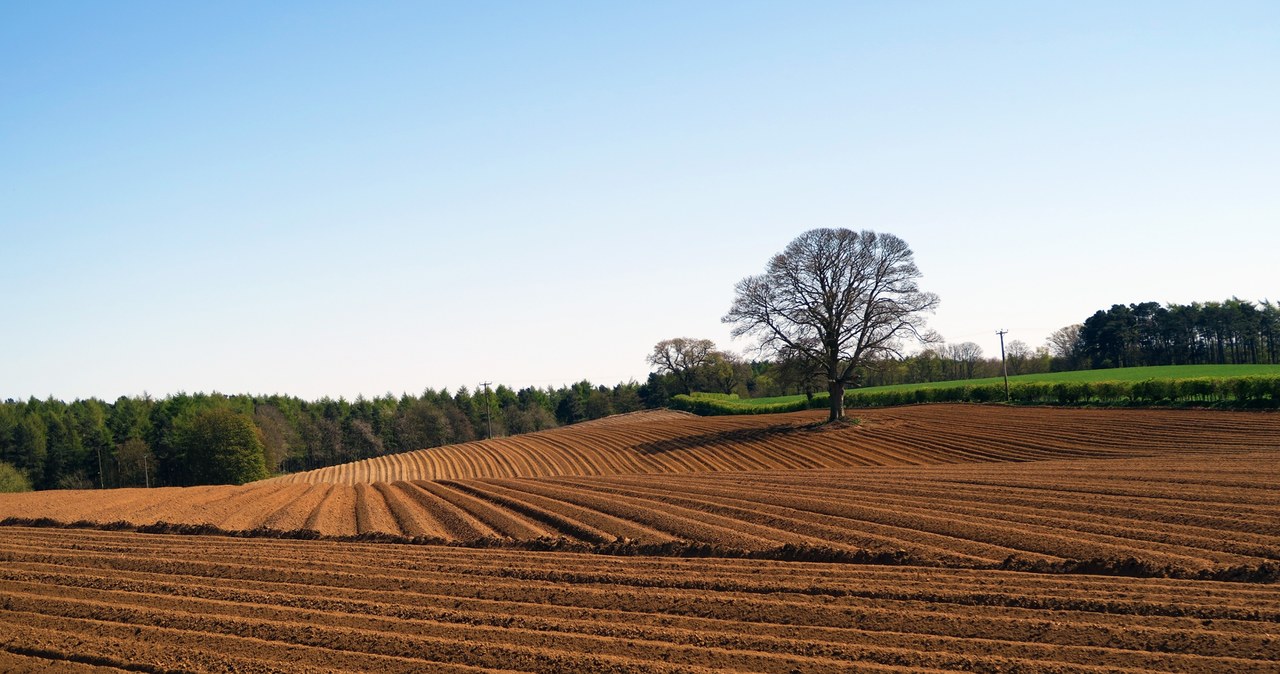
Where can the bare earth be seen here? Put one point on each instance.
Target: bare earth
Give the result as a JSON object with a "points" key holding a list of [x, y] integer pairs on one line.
{"points": [[939, 499]]}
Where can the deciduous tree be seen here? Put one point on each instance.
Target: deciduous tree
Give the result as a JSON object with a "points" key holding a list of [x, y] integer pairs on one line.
{"points": [[682, 357], [1064, 343], [12, 480], [220, 446], [835, 298]]}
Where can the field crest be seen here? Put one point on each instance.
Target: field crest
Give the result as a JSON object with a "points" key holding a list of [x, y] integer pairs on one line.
{"points": [[1180, 492], [676, 442]]}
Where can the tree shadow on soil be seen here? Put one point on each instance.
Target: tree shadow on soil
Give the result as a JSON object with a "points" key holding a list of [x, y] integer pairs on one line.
{"points": [[744, 436]]}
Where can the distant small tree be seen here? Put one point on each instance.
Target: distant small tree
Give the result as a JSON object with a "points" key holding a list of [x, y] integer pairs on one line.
{"points": [[220, 446], [529, 419], [361, 439], [598, 404], [1018, 355], [682, 357], [967, 355], [721, 372], [654, 392], [12, 480], [1064, 344], [134, 463], [420, 424], [74, 480], [278, 436], [570, 409]]}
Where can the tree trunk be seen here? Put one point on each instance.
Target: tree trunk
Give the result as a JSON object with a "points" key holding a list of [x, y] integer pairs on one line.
{"points": [[837, 401]]}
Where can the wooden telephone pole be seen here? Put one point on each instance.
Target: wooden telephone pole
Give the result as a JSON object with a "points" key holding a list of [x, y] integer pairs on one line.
{"points": [[1003, 365]]}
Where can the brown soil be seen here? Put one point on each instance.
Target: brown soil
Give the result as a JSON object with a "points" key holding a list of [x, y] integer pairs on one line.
{"points": [[673, 442], [161, 603], [1141, 492]]}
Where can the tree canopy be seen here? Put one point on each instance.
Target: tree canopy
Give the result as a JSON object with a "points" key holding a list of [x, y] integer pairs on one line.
{"points": [[219, 446], [11, 480], [835, 300], [696, 364]]}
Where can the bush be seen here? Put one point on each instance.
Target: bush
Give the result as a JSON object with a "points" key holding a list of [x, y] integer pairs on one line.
{"points": [[75, 480], [1031, 392], [1110, 391], [1154, 391], [1069, 392], [1200, 389], [12, 480]]}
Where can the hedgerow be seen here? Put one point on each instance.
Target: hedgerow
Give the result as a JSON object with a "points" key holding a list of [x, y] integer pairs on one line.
{"points": [[1254, 391], [716, 404], [1227, 392]]}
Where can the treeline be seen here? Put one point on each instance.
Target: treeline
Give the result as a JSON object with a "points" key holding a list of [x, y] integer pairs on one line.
{"points": [[1232, 332], [188, 439], [966, 360]]}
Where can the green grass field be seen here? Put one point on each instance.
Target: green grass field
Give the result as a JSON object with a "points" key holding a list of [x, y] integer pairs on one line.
{"points": [[1079, 376]]}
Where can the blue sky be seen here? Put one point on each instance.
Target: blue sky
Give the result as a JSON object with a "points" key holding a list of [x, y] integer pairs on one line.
{"points": [[340, 198]]}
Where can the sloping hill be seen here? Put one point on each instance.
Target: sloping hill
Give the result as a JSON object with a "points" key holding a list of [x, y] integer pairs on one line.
{"points": [[676, 442], [956, 486]]}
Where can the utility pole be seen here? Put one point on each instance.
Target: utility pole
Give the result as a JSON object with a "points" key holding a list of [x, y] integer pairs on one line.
{"points": [[488, 406], [1004, 365]]}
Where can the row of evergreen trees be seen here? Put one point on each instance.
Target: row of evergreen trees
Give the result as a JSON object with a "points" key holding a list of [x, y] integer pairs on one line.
{"points": [[188, 439], [1233, 331]]}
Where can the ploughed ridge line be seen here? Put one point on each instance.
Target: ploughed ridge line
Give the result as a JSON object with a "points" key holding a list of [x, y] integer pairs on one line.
{"points": [[174, 603], [1153, 493], [665, 441]]}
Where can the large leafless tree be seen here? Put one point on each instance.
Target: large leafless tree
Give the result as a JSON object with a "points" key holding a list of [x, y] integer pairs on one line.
{"points": [[836, 299]]}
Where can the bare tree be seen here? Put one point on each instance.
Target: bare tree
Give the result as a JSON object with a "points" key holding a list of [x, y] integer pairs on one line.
{"points": [[1019, 353], [837, 299], [134, 463], [1065, 342], [682, 357], [278, 435], [966, 355]]}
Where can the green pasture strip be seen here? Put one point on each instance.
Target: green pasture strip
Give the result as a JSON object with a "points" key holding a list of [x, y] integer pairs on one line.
{"points": [[715, 406], [1114, 374], [1239, 386], [1233, 392]]}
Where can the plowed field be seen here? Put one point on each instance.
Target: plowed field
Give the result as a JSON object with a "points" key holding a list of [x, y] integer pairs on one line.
{"points": [[177, 603], [1184, 491], [676, 442], [938, 516]]}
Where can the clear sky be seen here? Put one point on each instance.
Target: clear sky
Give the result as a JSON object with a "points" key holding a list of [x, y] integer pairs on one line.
{"points": [[319, 198]]}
